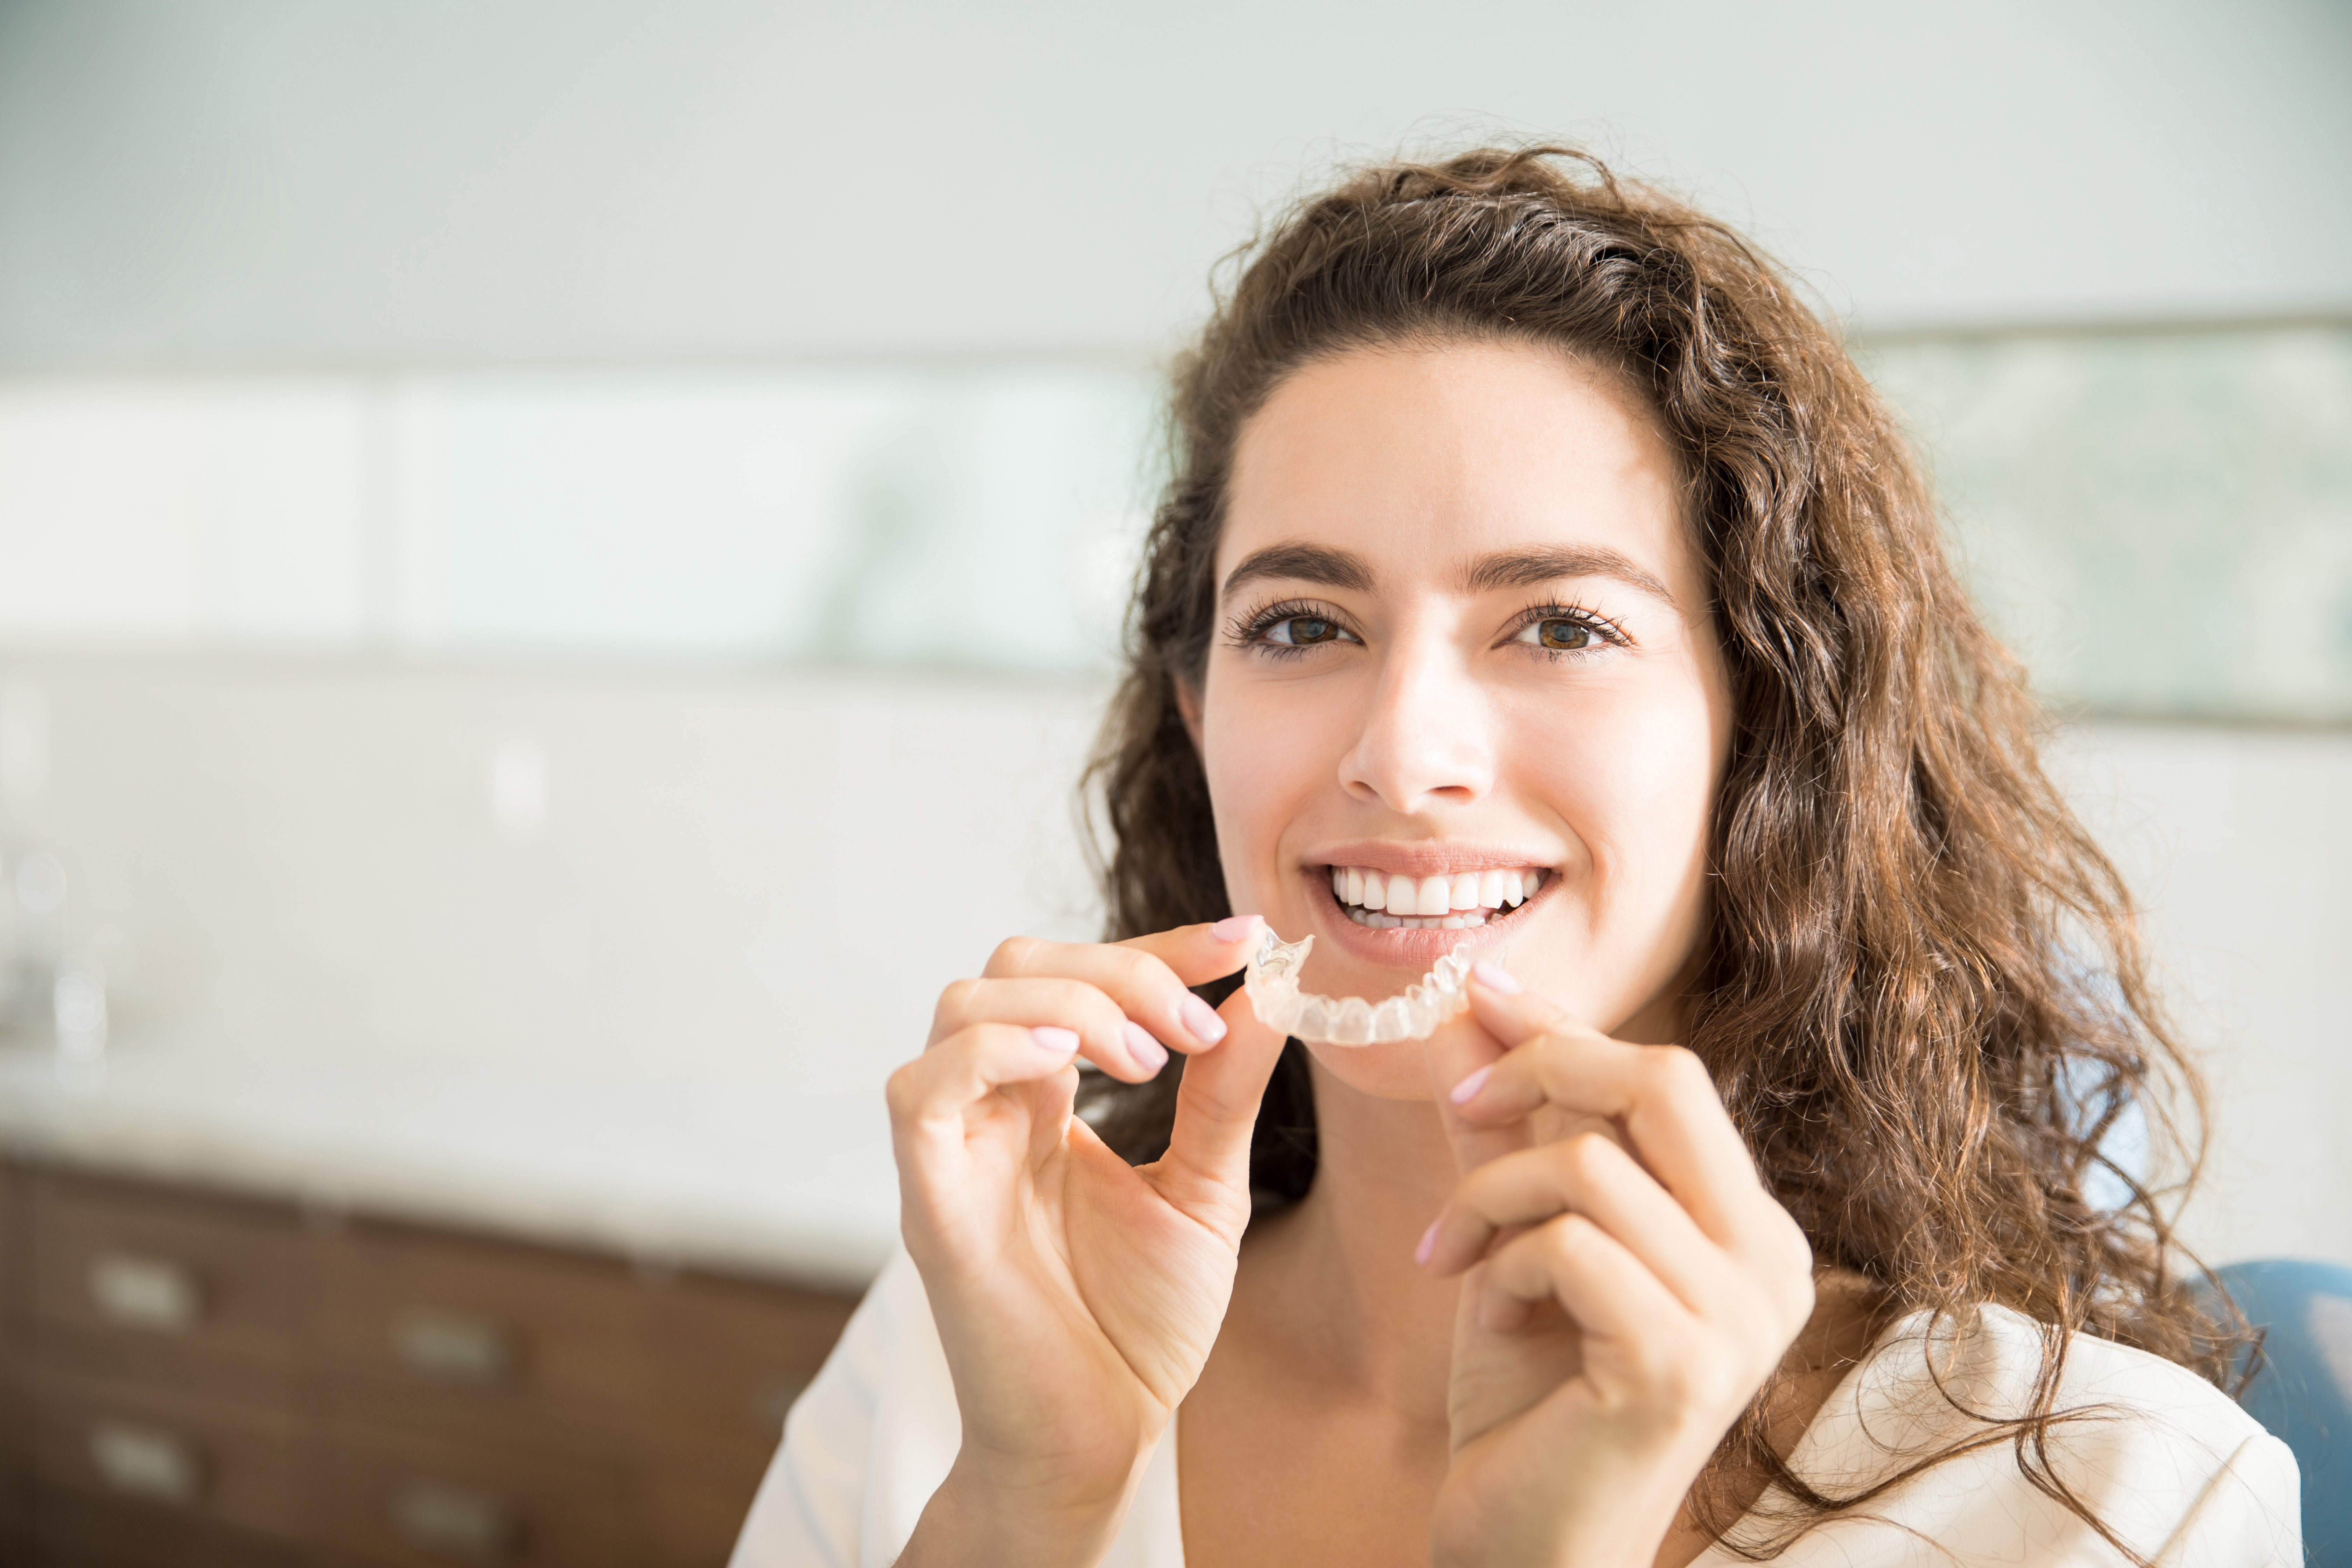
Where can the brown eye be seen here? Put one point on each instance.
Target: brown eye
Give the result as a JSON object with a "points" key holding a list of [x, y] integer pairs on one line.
{"points": [[1298, 631], [1561, 635]]}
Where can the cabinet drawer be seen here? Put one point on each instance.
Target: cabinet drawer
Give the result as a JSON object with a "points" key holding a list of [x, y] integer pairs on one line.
{"points": [[81, 1531], [200, 1292], [411, 1503], [168, 1457], [728, 1359], [471, 1336]]}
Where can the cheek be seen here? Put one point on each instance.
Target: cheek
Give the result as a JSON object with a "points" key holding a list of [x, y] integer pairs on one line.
{"points": [[1635, 780], [1267, 755]]}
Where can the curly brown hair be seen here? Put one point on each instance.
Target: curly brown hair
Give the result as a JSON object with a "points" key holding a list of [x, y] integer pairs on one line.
{"points": [[1922, 993]]}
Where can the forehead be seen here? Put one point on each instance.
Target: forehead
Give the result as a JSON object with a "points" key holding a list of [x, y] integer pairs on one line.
{"points": [[1420, 458]]}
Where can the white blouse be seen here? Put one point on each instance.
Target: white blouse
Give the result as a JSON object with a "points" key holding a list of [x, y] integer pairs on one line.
{"points": [[2160, 1454]]}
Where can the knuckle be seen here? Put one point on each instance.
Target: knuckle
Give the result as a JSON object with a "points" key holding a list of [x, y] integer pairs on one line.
{"points": [[1587, 1159], [1677, 1071], [1571, 1238], [1705, 1375], [955, 1001], [901, 1092], [1014, 955]]}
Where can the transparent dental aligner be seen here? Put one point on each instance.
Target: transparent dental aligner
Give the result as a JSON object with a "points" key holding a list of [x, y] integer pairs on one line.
{"points": [[1272, 981]]}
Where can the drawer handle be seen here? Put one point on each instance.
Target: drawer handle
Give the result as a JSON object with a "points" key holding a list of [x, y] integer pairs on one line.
{"points": [[453, 1347], [149, 1293], [140, 1462], [454, 1521]]}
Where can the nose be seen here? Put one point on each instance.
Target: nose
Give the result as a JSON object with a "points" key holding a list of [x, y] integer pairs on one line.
{"points": [[1428, 738]]}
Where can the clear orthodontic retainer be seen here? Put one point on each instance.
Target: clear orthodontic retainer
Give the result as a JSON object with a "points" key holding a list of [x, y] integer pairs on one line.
{"points": [[1272, 981]]}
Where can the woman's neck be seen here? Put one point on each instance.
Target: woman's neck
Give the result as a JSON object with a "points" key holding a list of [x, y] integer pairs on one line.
{"points": [[1379, 1324]]}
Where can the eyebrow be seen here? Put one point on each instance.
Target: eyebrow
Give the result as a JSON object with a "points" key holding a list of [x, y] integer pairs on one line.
{"points": [[1548, 563], [1527, 568], [1303, 563]]}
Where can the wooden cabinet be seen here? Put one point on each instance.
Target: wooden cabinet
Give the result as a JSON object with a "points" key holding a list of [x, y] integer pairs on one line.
{"points": [[187, 1378]]}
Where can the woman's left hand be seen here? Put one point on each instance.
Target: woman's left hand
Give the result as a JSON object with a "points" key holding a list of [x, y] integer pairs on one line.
{"points": [[1630, 1286]]}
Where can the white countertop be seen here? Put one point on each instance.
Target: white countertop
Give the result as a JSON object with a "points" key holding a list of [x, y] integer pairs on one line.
{"points": [[739, 1166]]}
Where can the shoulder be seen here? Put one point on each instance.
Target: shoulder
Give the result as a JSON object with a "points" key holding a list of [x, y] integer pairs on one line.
{"points": [[2165, 1460]]}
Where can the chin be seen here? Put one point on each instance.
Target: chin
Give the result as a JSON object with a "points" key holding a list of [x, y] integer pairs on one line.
{"points": [[1400, 1069]]}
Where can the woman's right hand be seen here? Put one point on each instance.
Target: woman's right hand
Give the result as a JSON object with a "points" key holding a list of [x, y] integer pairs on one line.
{"points": [[1077, 1297]]}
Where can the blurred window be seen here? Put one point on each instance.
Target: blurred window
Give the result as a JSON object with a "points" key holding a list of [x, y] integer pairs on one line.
{"points": [[2161, 522]]}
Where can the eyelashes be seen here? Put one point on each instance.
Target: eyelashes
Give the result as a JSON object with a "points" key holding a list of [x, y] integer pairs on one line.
{"points": [[1290, 629], [1588, 631], [1274, 628]]}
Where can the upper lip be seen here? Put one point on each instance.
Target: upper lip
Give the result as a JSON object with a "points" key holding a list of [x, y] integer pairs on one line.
{"points": [[1426, 857]]}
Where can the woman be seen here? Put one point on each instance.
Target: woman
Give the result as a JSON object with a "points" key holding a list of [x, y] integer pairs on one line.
{"points": [[1538, 576]]}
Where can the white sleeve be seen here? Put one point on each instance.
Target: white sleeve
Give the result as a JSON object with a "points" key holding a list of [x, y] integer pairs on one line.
{"points": [[2156, 1454], [2249, 1516], [866, 1446]]}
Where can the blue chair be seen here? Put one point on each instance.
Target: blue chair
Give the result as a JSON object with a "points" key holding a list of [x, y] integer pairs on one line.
{"points": [[2302, 1392]]}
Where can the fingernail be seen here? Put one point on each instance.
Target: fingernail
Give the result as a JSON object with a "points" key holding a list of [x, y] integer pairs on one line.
{"points": [[1496, 978], [1467, 1090], [1200, 1020], [1428, 1245], [1233, 928], [1148, 1053], [1061, 1042]]}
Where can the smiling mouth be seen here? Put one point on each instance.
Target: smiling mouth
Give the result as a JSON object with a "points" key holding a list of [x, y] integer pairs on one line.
{"points": [[1383, 901]]}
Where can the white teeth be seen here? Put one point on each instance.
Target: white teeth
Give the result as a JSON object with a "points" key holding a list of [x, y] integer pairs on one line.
{"points": [[1404, 898], [1412, 901]]}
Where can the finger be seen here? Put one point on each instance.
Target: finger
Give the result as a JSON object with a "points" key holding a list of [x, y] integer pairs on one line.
{"points": [[1456, 1054], [1148, 977], [931, 1097], [1200, 953], [1596, 1280], [1216, 1113], [1107, 1036], [1661, 1095], [1592, 1176]]}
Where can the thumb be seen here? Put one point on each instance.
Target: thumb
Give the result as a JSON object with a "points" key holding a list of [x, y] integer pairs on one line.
{"points": [[1216, 1112]]}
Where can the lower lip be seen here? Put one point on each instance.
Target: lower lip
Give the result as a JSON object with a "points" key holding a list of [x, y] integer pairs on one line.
{"points": [[1407, 947]]}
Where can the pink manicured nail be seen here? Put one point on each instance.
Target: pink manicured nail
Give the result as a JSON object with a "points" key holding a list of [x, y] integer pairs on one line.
{"points": [[1496, 978], [1148, 1053], [1061, 1042], [1428, 1245], [1233, 928], [1200, 1020], [1467, 1090]]}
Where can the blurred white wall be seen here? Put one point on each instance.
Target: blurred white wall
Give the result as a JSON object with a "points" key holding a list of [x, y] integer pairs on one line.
{"points": [[570, 872], [326, 182]]}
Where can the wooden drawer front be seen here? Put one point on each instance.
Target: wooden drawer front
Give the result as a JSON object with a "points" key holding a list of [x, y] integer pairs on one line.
{"points": [[79, 1532], [728, 1359], [427, 1504], [479, 1331], [696, 1515], [16, 1283], [170, 1457], [155, 1284]]}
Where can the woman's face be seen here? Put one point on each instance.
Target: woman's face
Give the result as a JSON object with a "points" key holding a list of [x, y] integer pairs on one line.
{"points": [[1465, 634]]}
